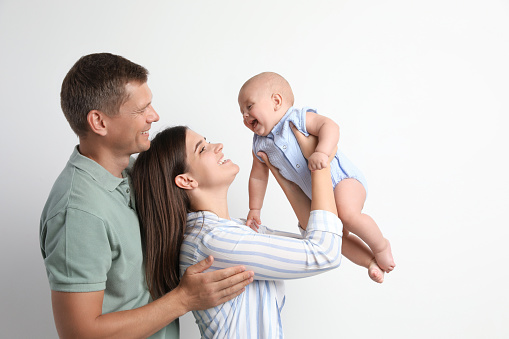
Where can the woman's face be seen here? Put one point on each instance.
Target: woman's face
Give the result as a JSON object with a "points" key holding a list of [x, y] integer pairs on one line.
{"points": [[206, 162]]}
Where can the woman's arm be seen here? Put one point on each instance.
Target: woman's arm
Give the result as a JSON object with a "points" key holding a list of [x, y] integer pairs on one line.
{"points": [[299, 201], [322, 193], [327, 132], [275, 257], [271, 257], [353, 247]]}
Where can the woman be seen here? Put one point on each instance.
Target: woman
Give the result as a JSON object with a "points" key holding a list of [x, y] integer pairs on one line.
{"points": [[181, 186]]}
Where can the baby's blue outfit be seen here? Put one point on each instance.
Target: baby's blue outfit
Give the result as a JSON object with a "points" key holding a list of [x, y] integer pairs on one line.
{"points": [[284, 153]]}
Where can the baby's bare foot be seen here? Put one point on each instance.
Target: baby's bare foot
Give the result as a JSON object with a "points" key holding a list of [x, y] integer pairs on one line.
{"points": [[384, 258], [375, 272]]}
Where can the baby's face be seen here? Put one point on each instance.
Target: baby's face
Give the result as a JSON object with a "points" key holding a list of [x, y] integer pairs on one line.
{"points": [[257, 108]]}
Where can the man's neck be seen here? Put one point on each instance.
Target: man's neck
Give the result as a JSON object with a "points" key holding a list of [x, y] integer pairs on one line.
{"points": [[113, 163]]}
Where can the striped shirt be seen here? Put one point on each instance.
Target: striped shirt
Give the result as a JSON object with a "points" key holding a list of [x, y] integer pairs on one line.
{"points": [[272, 255]]}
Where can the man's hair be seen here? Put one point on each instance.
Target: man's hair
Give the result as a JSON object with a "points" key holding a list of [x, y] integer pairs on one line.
{"points": [[97, 82]]}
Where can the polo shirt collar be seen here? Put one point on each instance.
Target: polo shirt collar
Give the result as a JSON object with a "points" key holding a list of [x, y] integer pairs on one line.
{"points": [[96, 171]]}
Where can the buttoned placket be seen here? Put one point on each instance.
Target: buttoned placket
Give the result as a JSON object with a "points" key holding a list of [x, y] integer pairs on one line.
{"points": [[282, 147], [126, 191]]}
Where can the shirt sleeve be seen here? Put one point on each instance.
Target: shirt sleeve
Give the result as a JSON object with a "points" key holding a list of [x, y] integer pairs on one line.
{"points": [[298, 118], [274, 255], [77, 252]]}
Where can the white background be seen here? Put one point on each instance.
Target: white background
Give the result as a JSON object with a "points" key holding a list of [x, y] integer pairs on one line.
{"points": [[419, 89]]}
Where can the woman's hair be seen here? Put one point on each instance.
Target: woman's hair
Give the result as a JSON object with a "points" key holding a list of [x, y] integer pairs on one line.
{"points": [[162, 207]]}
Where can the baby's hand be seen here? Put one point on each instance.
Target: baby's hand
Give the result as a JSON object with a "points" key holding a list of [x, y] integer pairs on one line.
{"points": [[317, 161], [253, 220]]}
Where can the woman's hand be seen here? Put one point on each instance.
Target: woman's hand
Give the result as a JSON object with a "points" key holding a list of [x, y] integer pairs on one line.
{"points": [[308, 144]]}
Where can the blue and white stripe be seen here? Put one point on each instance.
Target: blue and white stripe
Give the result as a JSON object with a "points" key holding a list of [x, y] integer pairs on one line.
{"points": [[273, 256]]}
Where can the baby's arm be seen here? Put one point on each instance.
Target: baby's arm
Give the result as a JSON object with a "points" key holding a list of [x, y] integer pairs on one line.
{"points": [[327, 132], [258, 180]]}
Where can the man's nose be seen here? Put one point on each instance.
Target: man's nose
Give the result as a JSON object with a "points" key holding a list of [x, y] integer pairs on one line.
{"points": [[153, 116]]}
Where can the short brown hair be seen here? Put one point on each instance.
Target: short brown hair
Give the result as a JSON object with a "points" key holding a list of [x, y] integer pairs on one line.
{"points": [[97, 81]]}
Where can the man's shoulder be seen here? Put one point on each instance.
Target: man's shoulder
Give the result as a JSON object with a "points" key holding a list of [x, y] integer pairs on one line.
{"points": [[72, 189]]}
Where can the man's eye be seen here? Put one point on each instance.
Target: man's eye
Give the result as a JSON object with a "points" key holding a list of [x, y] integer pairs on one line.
{"points": [[202, 149]]}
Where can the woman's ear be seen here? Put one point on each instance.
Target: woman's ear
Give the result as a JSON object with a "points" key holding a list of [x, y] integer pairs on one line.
{"points": [[186, 182], [96, 122], [277, 99]]}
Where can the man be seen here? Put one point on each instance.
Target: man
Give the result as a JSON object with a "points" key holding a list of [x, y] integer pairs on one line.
{"points": [[89, 231]]}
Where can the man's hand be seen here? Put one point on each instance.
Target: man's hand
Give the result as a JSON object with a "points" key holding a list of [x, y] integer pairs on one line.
{"points": [[253, 220], [200, 291]]}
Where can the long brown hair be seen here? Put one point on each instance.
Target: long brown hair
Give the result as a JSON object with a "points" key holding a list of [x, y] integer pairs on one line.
{"points": [[162, 207]]}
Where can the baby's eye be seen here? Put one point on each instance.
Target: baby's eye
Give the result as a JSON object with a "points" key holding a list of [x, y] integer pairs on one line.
{"points": [[249, 107]]}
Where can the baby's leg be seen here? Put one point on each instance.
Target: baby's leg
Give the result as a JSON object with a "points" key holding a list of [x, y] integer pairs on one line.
{"points": [[350, 196], [375, 272], [356, 250]]}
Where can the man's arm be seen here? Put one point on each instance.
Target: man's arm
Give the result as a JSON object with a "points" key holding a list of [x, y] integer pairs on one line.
{"points": [[79, 314]]}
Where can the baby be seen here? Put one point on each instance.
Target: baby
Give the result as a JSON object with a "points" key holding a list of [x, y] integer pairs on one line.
{"points": [[266, 103]]}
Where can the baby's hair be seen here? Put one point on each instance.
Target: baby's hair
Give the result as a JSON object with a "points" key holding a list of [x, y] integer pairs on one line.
{"points": [[275, 83]]}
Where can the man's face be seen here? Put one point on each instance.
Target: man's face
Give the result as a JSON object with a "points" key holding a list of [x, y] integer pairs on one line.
{"points": [[128, 131]]}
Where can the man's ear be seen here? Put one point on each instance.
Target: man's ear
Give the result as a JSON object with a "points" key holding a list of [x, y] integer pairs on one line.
{"points": [[186, 182], [277, 99], [96, 122]]}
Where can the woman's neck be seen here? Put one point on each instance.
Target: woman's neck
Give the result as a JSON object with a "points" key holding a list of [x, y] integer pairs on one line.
{"points": [[215, 202]]}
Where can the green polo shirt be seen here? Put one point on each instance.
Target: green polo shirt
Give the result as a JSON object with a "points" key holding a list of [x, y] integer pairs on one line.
{"points": [[90, 238]]}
